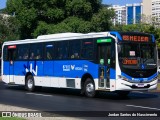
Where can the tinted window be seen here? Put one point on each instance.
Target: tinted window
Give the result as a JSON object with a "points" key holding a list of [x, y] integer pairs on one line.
{"points": [[75, 46], [62, 50], [87, 49], [9, 53], [22, 52], [49, 51], [5, 53], [36, 51]]}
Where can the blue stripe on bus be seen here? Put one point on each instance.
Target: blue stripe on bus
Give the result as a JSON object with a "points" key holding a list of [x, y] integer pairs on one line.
{"points": [[62, 68], [139, 79], [112, 74]]}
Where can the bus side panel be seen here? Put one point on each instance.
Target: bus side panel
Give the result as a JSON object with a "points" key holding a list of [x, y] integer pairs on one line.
{"points": [[20, 69], [48, 68], [74, 69], [6, 65], [49, 74], [112, 79], [36, 68]]}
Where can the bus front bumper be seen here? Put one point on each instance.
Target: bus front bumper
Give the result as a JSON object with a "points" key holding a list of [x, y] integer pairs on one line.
{"points": [[125, 85]]}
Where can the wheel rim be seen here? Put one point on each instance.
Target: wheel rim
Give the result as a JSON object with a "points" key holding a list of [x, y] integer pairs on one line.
{"points": [[30, 83], [90, 88]]}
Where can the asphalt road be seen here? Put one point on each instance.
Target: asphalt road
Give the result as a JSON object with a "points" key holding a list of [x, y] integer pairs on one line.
{"points": [[60, 101]]}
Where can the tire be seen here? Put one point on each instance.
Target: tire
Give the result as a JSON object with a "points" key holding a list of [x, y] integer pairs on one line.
{"points": [[89, 88], [123, 93], [30, 86]]}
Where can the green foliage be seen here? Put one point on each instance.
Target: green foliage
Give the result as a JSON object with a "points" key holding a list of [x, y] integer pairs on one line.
{"points": [[54, 16], [9, 29], [101, 21]]}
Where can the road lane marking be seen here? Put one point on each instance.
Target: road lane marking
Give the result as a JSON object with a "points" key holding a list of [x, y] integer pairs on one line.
{"points": [[143, 107], [39, 94]]}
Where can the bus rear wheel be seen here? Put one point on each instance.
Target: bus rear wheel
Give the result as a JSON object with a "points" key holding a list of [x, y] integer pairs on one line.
{"points": [[30, 83], [89, 88]]}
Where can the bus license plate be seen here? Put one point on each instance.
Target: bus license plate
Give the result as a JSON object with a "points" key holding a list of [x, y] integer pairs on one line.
{"points": [[140, 85]]}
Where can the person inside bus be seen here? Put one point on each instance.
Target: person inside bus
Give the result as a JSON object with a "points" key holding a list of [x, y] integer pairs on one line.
{"points": [[49, 57], [75, 56], [32, 56], [38, 56], [25, 56]]}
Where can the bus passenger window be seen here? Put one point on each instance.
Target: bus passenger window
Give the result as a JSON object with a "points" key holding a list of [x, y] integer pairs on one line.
{"points": [[38, 55], [87, 49], [22, 52], [49, 51], [62, 50], [36, 51], [75, 49]]}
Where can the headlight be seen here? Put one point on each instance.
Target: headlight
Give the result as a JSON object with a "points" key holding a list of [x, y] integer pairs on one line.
{"points": [[122, 77]]}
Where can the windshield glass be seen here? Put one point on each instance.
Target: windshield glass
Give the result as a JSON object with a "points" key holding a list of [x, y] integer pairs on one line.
{"points": [[135, 54]]}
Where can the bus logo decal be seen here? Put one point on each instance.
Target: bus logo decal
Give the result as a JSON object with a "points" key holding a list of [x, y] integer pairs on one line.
{"points": [[72, 67], [66, 67], [34, 71]]}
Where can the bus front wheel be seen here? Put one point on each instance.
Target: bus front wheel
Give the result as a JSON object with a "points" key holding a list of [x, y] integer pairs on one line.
{"points": [[30, 83], [89, 88]]}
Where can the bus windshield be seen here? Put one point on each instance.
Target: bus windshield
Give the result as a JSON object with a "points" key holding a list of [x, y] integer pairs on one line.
{"points": [[136, 54]]}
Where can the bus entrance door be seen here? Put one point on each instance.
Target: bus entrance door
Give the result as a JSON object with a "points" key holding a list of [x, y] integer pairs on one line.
{"points": [[12, 55], [104, 57]]}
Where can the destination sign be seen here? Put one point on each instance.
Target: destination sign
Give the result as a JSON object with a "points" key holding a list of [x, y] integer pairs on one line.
{"points": [[127, 61], [135, 38]]}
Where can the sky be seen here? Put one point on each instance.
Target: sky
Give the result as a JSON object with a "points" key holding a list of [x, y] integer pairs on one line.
{"points": [[120, 2], [2, 4], [113, 2]]}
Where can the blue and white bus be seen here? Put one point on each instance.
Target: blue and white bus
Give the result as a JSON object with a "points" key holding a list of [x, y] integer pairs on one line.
{"points": [[106, 61]]}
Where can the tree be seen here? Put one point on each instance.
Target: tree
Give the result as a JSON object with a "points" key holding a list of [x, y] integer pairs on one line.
{"points": [[9, 29], [53, 16]]}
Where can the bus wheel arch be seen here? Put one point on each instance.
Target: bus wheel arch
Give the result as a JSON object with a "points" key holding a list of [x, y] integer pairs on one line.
{"points": [[88, 85], [29, 82]]}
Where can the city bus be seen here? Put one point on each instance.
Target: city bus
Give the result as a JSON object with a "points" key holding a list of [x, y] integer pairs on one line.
{"points": [[113, 61]]}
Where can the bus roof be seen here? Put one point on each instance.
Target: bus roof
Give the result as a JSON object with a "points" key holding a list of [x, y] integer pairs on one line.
{"points": [[72, 36], [60, 36]]}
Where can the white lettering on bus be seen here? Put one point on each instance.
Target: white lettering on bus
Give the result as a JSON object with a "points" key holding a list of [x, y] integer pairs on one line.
{"points": [[32, 70]]}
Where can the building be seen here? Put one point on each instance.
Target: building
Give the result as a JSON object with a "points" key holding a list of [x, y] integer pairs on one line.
{"points": [[128, 14], [133, 13], [151, 11], [120, 17]]}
